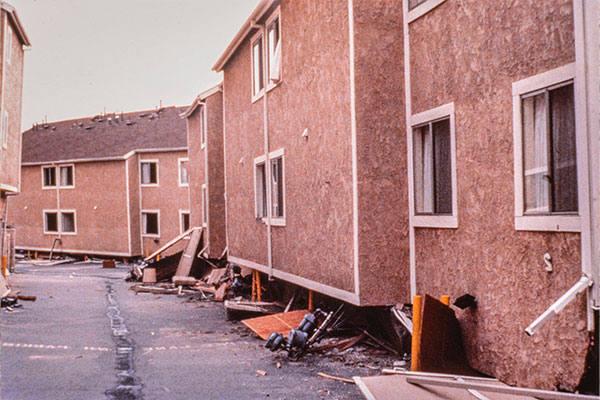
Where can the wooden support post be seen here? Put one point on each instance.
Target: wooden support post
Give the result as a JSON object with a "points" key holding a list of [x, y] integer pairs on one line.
{"points": [[445, 299], [258, 288], [311, 305], [35, 255], [416, 335], [253, 285], [147, 252], [28, 254], [4, 266], [158, 257]]}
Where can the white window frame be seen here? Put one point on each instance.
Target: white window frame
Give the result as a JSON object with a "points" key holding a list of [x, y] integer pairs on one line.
{"points": [[544, 222], [59, 176], [152, 161], [44, 167], [147, 211], [257, 94], [202, 126], [205, 212], [179, 174], [5, 129], [181, 214], [9, 42], [435, 221], [60, 222], [46, 231], [270, 82], [422, 9], [275, 221]]}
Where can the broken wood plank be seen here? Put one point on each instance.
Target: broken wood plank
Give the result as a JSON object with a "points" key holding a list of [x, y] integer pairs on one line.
{"points": [[281, 323], [215, 276], [171, 243], [159, 290], [184, 280], [22, 297], [187, 259], [220, 293], [335, 378], [341, 345], [207, 289], [484, 387]]}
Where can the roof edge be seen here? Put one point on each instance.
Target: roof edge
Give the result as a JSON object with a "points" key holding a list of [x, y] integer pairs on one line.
{"points": [[99, 159], [17, 22], [258, 12], [198, 100]]}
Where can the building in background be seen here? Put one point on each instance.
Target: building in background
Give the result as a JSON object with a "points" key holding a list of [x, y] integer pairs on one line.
{"points": [[113, 184], [206, 174]]}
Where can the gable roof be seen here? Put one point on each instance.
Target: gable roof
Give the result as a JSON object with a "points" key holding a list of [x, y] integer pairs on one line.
{"points": [[12, 13], [106, 137], [200, 99]]}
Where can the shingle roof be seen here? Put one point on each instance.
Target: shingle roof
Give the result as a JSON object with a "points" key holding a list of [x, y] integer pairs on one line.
{"points": [[108, 136]]}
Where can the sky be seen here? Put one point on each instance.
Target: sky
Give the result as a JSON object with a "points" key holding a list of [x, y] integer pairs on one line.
{"points": [[121, 55]]}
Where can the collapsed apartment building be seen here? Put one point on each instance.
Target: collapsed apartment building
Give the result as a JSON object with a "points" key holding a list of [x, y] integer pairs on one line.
{"points": [[378, 150], [14, 42], [109, 185]]}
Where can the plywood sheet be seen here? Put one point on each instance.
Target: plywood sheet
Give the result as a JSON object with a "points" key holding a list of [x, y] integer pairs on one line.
{"points": [[395, 387], [282, 323], [187, 259]]}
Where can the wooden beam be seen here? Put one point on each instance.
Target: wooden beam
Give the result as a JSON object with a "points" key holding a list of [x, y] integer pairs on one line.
{"points": [[170, 244], [517, 391]]}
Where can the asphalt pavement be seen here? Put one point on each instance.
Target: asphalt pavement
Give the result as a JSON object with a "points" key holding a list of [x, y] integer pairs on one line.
{"points": [[87, 336]]}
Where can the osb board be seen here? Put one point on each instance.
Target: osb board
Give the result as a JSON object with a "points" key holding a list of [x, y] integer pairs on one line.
{"points": [[470, 55], [282, 323], [395, 387]]}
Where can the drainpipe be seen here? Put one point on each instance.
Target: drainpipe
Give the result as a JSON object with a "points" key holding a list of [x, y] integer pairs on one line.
{"points": [[263, 27]]}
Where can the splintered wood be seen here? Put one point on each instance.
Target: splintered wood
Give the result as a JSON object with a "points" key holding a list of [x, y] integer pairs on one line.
{"points": [[187, 259], [282, 323]]}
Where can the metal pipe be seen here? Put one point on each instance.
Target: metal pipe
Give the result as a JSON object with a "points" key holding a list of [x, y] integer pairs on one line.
{"points": [[559, 304], [416, 334]]}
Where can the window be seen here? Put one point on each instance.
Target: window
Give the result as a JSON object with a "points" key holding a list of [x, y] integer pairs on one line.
{"points": [[204, 205], [202, 128], [9, 43], [50, 222], [184, 220], [67, 221], [4, 129], [414, 3], [546, 190], [258, 83], [418, 8], [433, 168], [150, 223], [149, 175], [277, 187], [274, 48], [66, 176], [184, 178], [48, 177]]}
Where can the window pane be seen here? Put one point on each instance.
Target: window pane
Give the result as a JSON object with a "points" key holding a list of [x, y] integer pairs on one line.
{"points": [[442, 167], [535, 155], [423, 169], [257, 69], [150, 221], [261, 192], [204, 205], [67, 222], [202, 127], [51, 222], [564, 156], [149, 175], [273, 41], [50, 176], [184, 173], [277, 188], [66, 176]]}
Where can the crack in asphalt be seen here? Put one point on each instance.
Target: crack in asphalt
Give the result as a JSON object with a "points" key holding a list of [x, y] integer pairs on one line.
{"points": [[128, 387]]}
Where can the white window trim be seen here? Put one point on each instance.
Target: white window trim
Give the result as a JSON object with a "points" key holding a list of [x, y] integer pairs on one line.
{"points": [[256, 96], [203, 129], [205, 202], [271, 84], [435, 221], [44, 187], [9, 42], [58, 176], [148, 211], [422, 9], [275, 221], [5, 118], [181, 213], [179, 161], [157, 174], [550, 223], [74, 222], [46, 232]]}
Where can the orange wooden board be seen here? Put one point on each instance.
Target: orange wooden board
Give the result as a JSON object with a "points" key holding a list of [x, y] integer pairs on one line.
{"points": [[282, 323]]}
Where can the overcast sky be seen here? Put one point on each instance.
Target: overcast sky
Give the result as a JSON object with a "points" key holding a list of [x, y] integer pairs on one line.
{"points": [[125, 55]]}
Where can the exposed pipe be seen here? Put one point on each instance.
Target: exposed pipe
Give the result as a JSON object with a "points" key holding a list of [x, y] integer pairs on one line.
{"points": [[559, 304]]}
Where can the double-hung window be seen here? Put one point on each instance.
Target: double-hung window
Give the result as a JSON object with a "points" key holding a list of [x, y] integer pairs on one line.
{"points": [[59, 222], [276, 184], [66, 176], [258, 79], [48, 177], [149, 173], [266, 56], [184, 178], [184, 220], [274, 48], [433, 168], [202, 112], [150, 223], [546, 189], [9, 43]]}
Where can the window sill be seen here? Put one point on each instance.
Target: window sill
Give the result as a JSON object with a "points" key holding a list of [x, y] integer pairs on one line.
{"points": [[274, 221], [150, 235], [69, 233], [51, 233], [435, 221], [48, 187], [423, 9], [258, 96], [184, 185], [67, 187], [548, 223], [149, 184]]}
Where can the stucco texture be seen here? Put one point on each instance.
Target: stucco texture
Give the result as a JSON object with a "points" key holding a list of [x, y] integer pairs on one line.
{"points": [[468, 54]]}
